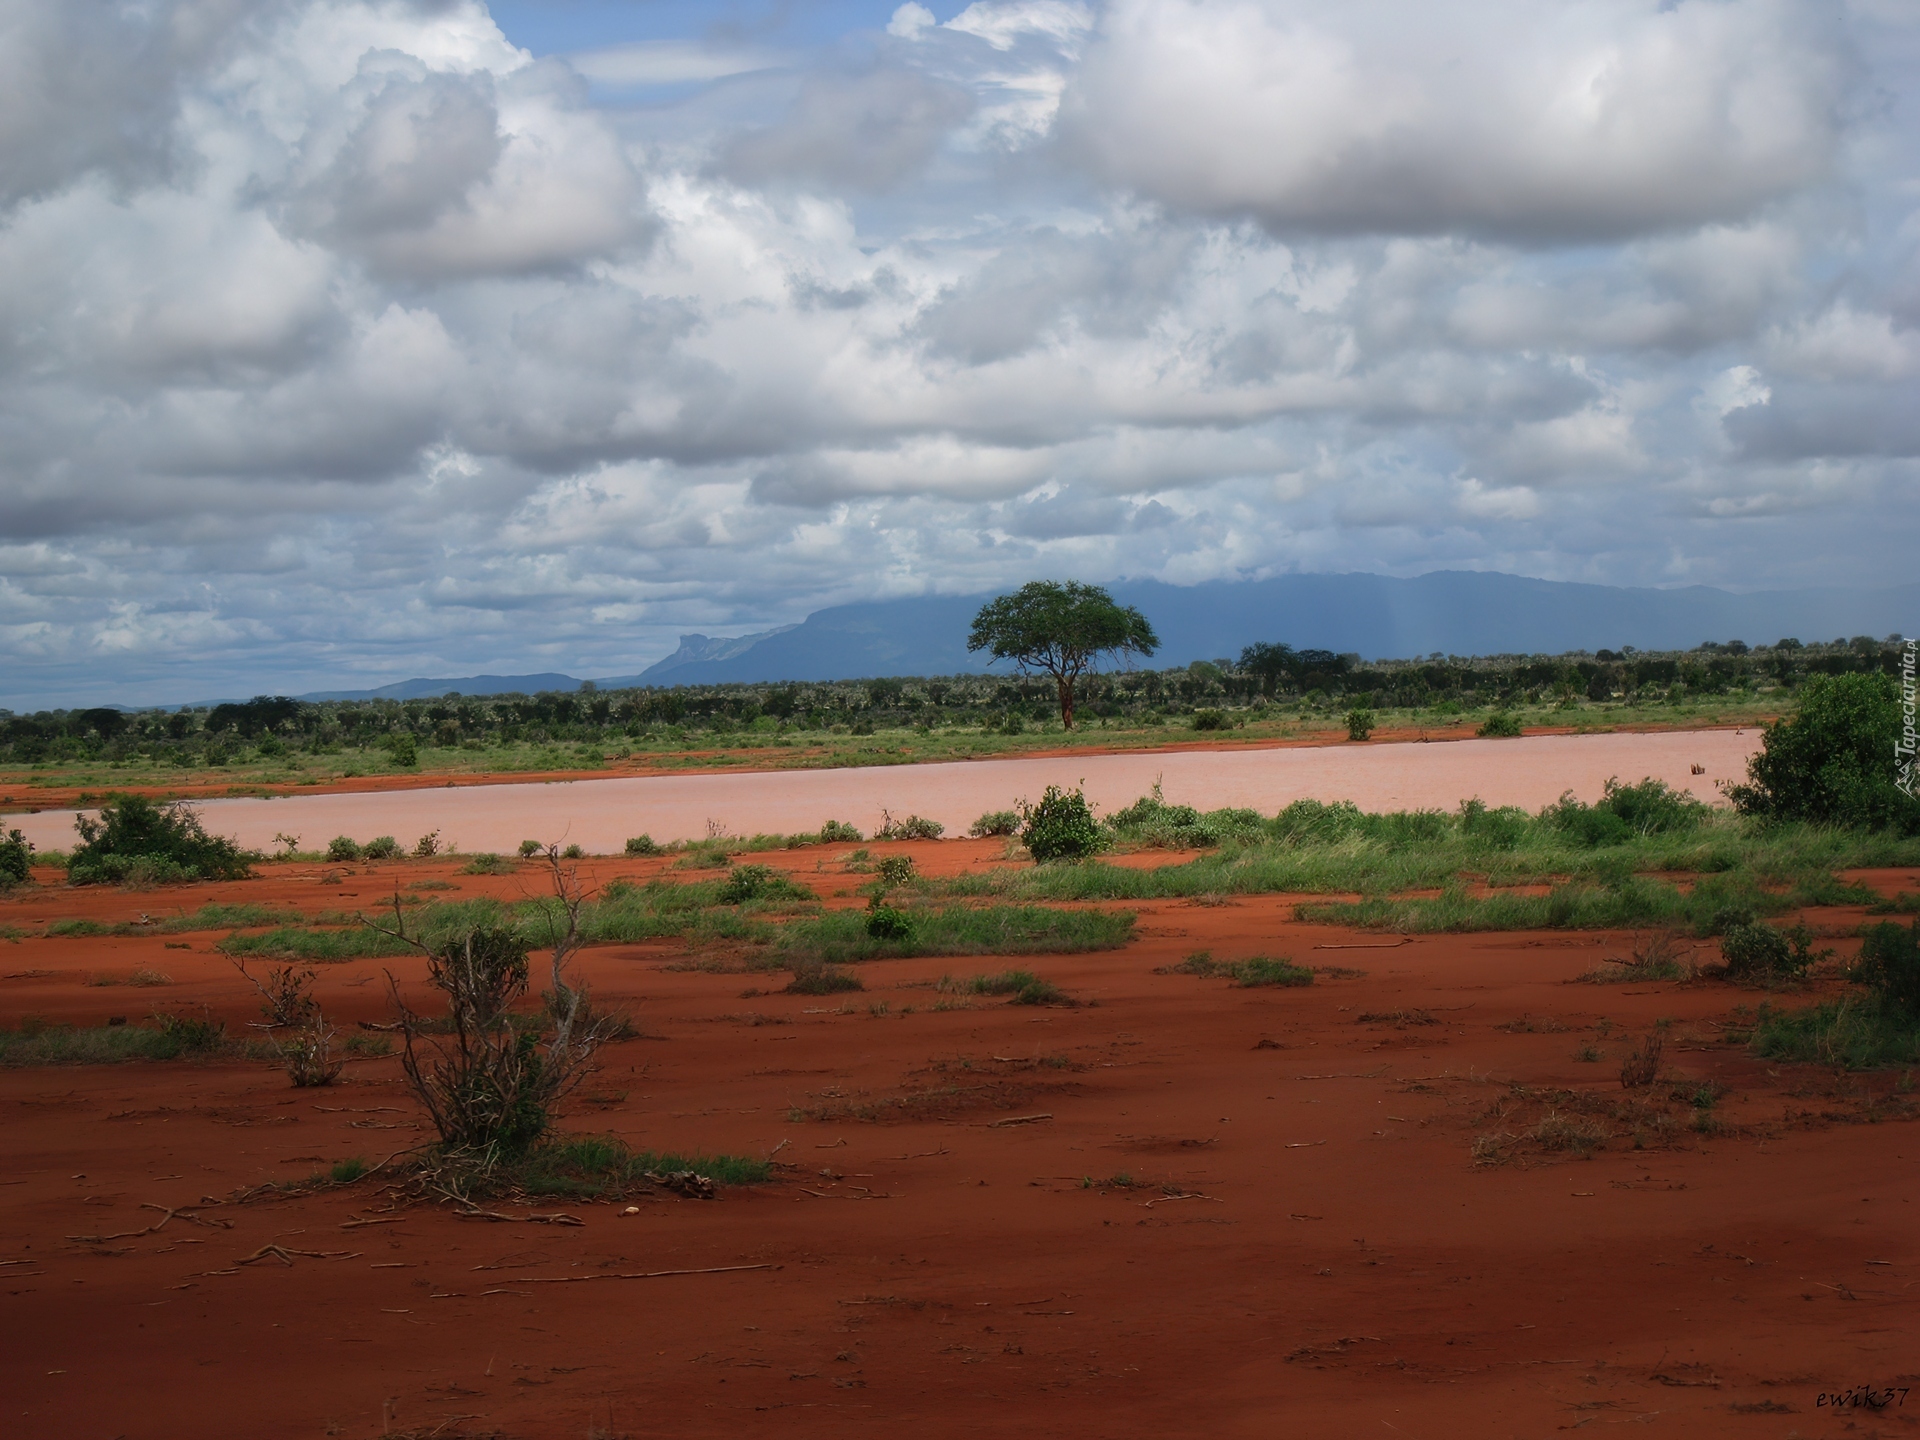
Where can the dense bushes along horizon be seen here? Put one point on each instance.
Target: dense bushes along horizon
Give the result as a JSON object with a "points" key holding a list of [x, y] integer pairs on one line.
{"points": [[275, 726]]}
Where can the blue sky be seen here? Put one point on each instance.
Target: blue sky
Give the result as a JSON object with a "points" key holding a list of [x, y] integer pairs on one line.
{"points": [[348, 340], [557, 27]]}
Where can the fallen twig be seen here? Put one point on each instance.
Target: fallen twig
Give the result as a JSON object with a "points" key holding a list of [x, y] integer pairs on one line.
{"points": [[630, 1275], [166, 1215], [1185, 1195], [1018, 1120], [555, 1219], [284, 1254], [356, 1221], [1367, 944]]}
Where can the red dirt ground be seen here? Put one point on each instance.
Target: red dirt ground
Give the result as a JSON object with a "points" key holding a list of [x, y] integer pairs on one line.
{"points": [[1311, 1248]]}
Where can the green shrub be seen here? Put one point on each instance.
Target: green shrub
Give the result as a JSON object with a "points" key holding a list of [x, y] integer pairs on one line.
{"points": [[1209, 720], [403, 751], [192, 1034], [1501, 725], [1833, 762], [1889, 966], [343, 850], [1359, 724], [383, 847], [16, 859], [1060, 827], [345, 1172], [427, 846], [485, 864], [1500, 829], [636, 845], [994, 822], [1626, 812], [836, 832], [914, 827], [760, 882], [531, 848], [895, 869], [1756, 951], [1152, 821], [1307, 822], [135, 839], [888, 922], [573, 852]]}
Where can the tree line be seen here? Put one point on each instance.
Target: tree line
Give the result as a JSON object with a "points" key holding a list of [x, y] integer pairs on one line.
{"points": [[1263, 674]]}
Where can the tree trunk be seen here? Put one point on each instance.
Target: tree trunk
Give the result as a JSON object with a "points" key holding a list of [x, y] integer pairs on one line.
{"points": [[1066, 702]]}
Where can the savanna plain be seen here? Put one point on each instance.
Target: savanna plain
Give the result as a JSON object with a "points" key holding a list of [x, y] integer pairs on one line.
{"points": [[1467, 1122]]}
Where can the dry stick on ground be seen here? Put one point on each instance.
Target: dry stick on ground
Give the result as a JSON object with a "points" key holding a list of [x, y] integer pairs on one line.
{"points": [[284, 1254], [1018, 1120], [555, 1219], [167, 1214], [633, 1275]]}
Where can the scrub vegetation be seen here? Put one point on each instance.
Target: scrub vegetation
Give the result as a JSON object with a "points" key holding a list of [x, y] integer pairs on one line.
{"points": [[1269, 692]]}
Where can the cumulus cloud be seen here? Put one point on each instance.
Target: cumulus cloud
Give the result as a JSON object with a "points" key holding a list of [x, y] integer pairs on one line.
{"points": [[1590, 120], [864, 132], [343, 338]]}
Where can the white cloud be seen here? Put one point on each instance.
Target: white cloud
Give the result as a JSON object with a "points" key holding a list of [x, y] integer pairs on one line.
{"points": [[1003, 23], [670, 62], [1735, 388], [909, 20], [380, 337], [1596, 119]]}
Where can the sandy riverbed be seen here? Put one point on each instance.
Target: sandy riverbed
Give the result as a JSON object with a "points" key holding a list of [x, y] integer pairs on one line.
{"points": [[599, 815]]}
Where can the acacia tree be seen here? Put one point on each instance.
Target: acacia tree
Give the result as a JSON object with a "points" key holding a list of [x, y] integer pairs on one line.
{"points": [[1060, 630]]}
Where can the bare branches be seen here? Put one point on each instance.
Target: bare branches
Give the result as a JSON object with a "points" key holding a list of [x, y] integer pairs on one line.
{"points": [[490, 1086], [286, 999]]}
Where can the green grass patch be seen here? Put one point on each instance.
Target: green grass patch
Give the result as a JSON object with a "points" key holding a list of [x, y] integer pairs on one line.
{"points": [[842, 935], [168, 1037], [1706, 908], [318, 947], [1256, 970], [1021, 987], [603, 1167], [1855, 1033]]}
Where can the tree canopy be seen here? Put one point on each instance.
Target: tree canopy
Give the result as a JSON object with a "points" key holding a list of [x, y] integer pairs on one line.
{"points": [[1833, 762], [1060, 629]]}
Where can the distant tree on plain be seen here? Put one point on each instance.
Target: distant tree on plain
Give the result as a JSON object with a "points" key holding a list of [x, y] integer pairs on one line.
{"points": [[1060, 629]]}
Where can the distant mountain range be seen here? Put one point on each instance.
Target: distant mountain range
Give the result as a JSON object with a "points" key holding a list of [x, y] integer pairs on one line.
{"points": [[1449, 611]]}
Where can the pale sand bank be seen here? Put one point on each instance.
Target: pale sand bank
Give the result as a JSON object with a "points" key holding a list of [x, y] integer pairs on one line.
{"points": [[599, 815]]}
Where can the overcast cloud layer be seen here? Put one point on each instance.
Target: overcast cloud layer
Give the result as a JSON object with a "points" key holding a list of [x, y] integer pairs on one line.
{"points": [[341, 342]]}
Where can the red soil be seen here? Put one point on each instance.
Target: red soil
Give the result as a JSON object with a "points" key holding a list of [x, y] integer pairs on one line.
{"points": [[1312, 1250], [600, 814]]}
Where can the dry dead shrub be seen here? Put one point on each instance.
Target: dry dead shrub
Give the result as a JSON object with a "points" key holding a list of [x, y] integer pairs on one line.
{"points": [[1579, 1134], [491, 1085], [1642, 1064], [286, 999], [1492, 1148]]}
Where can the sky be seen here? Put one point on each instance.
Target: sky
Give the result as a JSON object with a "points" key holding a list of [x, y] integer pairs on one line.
{"points": [[342, 342]]}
